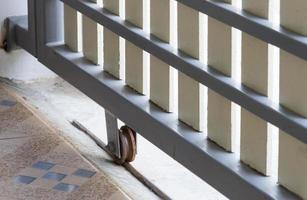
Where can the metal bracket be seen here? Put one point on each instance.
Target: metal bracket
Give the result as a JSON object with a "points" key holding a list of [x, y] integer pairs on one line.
{"points": [[21, 31], [9, 43], [113, 134]]}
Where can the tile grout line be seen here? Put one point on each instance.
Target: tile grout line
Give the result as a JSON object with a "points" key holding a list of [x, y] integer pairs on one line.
{"points": [[12, 138]]}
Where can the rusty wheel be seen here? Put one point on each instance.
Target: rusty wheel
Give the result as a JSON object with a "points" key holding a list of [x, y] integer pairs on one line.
{"points": [[127, 145], [130, 135], [123, 150]]}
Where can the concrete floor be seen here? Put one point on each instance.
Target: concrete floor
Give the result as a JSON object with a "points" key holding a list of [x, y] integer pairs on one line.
{"points": [[36, 163], [60, 103]]}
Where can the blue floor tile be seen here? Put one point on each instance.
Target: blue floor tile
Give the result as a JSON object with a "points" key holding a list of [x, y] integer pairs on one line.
{"points": [[84, 173], [54, 176], [8, 103], [65, 187], [43, 165], [24, 179]]}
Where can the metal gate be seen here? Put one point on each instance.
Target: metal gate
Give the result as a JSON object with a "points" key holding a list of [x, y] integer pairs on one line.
{"points": [[41, 34]]}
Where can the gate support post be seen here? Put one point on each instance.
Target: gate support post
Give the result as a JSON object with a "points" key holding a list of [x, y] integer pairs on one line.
{"points": [[113, 134]]}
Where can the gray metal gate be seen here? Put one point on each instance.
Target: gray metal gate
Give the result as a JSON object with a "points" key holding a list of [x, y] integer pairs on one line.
{"points": [[40, 33]]}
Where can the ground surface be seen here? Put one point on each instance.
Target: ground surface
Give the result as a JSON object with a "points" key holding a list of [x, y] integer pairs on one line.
{"points": [[60, 104], [35, 163]]}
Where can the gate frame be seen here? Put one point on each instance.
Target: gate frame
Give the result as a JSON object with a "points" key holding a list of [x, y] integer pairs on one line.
{"points": [[41, 34]]}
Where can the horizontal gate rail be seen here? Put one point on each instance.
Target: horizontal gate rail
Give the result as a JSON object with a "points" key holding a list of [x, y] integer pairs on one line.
{"points": [[220, 169], [258, 27], [224, 85]]}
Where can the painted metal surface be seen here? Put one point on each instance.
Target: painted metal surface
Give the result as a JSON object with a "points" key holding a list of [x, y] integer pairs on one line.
{"points": [[191, 97], [211, 163], [111, 44], [162, 76], [256, 137], [220, 46], [292, 171], [112, 133], [222, 170], [224, 85]]}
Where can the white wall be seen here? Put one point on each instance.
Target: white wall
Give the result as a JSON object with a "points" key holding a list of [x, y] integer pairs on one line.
{"points": [[18, 64]]}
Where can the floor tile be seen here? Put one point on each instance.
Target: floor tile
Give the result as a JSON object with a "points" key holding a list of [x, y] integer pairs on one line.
{"points": [[6, 96], [24, 179], [75, 180], [33, 172], [92, 189], [84, 173], [63, 169], [35, 163], [9, 146], [43, 165], [7, 103], [29, 127], [14, 115], [44, 183], [13, 191], [65, 187], [54, 176], [64, 155], [25, 155]]}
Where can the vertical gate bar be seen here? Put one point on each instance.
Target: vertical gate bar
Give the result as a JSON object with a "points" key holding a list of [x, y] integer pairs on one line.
{"points": [[190, 92], [32, 24], [72, 28], [136, 69], [112, 133], [92, 38], [219, 108], [49, 24], [256, 140], [161, 74], [293, 86], [111, 46], [53, 21]]}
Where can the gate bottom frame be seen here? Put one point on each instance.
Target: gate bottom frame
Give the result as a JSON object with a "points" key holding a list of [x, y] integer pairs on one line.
{"points": [[220, 169]]}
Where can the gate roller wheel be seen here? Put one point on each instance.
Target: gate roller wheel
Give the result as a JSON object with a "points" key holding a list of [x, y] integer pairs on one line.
{"points": [[130, 136], [127, 138], [123, 142]]}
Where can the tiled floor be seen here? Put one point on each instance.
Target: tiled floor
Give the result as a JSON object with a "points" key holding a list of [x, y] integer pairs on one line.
{"points": [[35, 163]]}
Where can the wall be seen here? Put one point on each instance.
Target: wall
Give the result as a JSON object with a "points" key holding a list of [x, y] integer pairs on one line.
{"points": [[18, 65]]}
